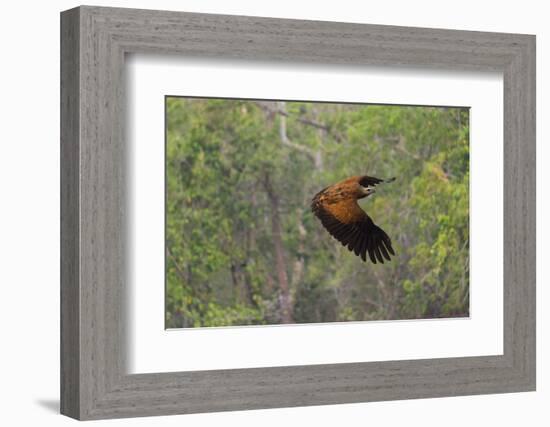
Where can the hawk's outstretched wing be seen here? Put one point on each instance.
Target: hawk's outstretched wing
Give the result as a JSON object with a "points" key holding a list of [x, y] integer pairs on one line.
{"points": [[351, 226]]}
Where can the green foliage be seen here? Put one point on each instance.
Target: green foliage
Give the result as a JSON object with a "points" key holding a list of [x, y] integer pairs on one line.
{"points": [[240, 177]]}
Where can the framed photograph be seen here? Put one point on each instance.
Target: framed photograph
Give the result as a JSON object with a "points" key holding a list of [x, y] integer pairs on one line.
{"points": [[261, 213]]}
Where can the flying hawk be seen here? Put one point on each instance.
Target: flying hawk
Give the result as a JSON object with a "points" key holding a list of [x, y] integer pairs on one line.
{"points": [[336, 206]]}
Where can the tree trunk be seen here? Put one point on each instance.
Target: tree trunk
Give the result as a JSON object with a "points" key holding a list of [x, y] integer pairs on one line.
{"points": [[298, 270], [276, 230]]}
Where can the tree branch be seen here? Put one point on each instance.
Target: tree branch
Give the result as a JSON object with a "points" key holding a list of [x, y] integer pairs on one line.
{"points": [[301, 119], [399, 142], [179, 270]]}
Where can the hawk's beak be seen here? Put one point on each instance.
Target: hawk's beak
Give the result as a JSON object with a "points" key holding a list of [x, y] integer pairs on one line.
{"points": [[371, 191]]}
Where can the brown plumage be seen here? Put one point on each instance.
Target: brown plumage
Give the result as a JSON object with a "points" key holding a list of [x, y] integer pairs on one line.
{"points": [[337, 208]]}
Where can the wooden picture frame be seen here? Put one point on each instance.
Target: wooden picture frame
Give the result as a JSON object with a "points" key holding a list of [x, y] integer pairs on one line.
{"points": [[94, 382]]}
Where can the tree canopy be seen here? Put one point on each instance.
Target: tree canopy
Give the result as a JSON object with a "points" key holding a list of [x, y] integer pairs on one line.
{"points": [[243, 247]]}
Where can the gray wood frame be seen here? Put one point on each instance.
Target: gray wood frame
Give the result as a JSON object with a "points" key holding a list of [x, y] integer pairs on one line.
{"points": [[94, 383]]}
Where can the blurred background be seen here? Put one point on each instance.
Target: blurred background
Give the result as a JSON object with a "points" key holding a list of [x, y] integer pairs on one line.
{"points": [[242, 246]]}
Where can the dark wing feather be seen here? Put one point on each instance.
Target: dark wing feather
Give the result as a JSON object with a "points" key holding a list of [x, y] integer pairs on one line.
{"points": [[371, 181], [359, 233]]}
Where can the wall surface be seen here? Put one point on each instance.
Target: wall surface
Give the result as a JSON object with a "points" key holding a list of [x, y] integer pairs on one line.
{"points": [[29, 217]]}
